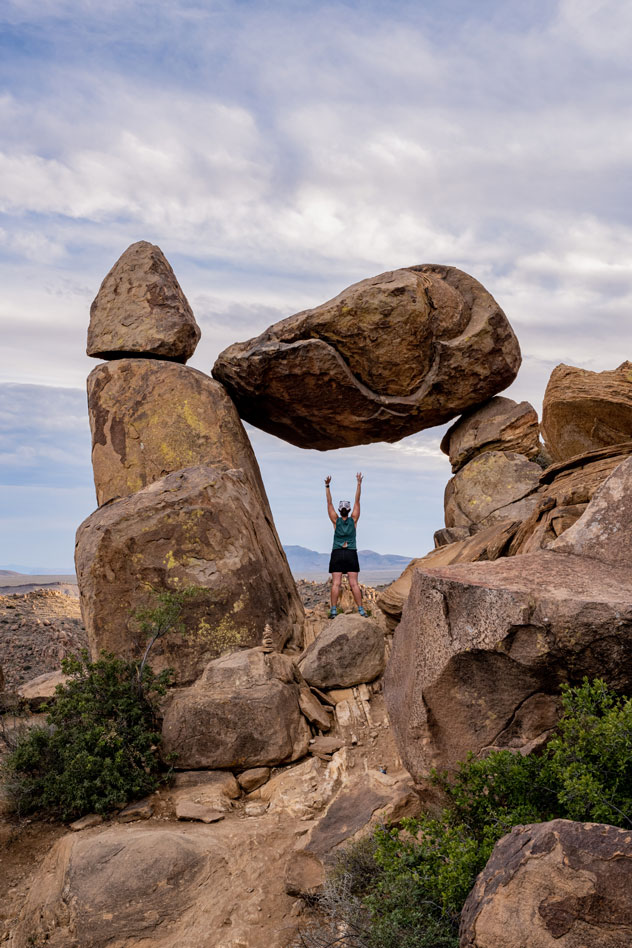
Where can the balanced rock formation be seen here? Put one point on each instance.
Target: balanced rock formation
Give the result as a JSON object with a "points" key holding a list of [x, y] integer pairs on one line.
{"points": [[584, 410], [140, 310], [203, 527], [482, 648], [243, 712], [553, 885], [150, 417], [387, 357], [499, 425], [493, 486], [349, 651]]}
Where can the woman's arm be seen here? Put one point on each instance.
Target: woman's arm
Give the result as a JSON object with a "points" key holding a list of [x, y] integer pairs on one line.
{"points": [[355, 513], [330, 506]]}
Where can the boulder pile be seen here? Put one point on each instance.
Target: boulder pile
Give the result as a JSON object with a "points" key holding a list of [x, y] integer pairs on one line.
{"points": [[181, 500], [279, 729]]}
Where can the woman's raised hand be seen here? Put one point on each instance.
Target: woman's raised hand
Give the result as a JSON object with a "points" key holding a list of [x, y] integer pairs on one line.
{"points": [[328, 480], [359, 477]]}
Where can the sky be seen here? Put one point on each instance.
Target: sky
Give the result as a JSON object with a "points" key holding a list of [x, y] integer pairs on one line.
{"points": [[277, 153]]}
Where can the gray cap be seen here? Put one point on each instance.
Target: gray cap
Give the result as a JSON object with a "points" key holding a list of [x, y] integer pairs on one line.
{"points": [[344, 505]]}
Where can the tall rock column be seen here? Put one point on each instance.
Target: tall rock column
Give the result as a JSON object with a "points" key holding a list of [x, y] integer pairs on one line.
{"points": [[180, 494]]}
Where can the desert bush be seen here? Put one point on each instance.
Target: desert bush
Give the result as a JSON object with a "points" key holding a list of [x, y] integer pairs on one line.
{"points": [[98, 749], [407, 887]]}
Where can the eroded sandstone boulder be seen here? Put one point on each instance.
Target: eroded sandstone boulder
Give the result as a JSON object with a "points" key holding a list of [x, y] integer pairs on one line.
{"points": [[482, 648], [388, 356], [494, 486], [584, 411], [553, 885], [349, 651], [488, 544], [151, 417], [500, 425], [201, 527], [243, 712], [140, 310]]}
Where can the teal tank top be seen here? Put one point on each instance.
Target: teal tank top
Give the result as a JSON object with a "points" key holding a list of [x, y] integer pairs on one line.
{"points": [[345, 532]]}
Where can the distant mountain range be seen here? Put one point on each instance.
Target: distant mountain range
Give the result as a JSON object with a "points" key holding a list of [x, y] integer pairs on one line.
{"points": [[9, 568], [302, 560]]}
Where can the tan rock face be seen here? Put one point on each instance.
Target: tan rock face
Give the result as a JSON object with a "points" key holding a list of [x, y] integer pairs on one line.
{"points": [[583, 411], [499, 425], [489, 488], [202, 527], [487, 544], [477, 640], [140, 309], [244, 712], [568, 885], [389, 356], [349, 651], [150, 418]]}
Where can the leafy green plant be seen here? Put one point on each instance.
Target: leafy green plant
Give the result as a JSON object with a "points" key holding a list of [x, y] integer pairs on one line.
{"points": [[98, 749], [411, 892]]}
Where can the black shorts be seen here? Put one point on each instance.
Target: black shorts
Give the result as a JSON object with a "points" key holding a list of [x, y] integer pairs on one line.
{"points": [[344, 561]]}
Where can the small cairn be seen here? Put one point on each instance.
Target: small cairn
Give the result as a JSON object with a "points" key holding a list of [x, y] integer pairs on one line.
{"points": [[267, 642]]}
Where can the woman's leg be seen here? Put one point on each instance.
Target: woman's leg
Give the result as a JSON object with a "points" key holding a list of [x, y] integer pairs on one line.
{"points": [[336, 582], [356, 592]]}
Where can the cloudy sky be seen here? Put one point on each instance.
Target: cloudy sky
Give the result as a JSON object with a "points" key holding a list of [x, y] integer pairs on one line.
{"points": [[277, 152]]}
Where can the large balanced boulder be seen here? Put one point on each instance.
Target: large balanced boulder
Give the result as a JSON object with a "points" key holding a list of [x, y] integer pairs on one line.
{"points": [[583, 411], [140, 310], [243, 712], [151, 417], [482, 648], [499, 425], [201, 527], [553, 885], [493, 486], [349, 651], [388, 356]]}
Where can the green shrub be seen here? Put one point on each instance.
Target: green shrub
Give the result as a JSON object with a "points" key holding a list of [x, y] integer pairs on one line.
{"points": [[99, 747], [421, 873]]}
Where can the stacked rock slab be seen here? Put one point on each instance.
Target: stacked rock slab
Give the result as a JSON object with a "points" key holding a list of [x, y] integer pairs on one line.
{"points": [[499, 425], [181, 498], [584, 411], [389, 356], [140, 310], [150, 417], [482, 648]]}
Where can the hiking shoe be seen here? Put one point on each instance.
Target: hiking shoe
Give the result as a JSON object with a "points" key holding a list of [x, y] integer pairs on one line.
{"points": [[361, 611], [333, 612]]}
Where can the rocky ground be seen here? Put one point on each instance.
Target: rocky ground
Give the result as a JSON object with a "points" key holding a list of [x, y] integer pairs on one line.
{"points": [[37, 630]]}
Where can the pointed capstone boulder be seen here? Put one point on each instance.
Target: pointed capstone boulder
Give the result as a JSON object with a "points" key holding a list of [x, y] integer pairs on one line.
{"points": [[140, 310], [392, 355]]}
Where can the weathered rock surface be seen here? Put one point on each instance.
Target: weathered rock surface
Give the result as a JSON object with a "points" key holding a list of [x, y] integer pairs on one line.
{"points": [[565, 490], [253, 779], [243, 712], [151, 417], [389, 356], [203, 527], [162, 885], [584, 411], [483, 647], [500, 425], [553, 885], [40, 690], [140, 310], [348, 652], [488, 544], [493, 486]]}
